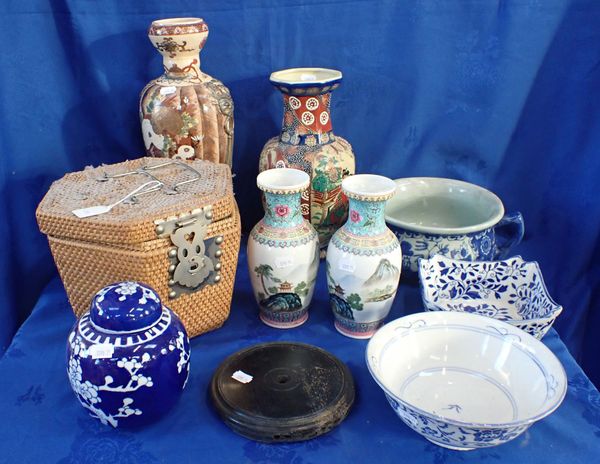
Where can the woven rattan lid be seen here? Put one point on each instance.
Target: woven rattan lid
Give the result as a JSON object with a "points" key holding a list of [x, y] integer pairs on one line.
{"points": [[129, 223]]}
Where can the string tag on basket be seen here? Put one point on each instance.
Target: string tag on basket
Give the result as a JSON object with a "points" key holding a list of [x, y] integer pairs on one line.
{"points": [[102, 209]]}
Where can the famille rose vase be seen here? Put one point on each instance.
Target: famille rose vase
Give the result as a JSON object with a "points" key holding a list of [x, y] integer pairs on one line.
{"points": [[185, 113], [307, 142], [364, 259], [128, 356], [283, 251]]}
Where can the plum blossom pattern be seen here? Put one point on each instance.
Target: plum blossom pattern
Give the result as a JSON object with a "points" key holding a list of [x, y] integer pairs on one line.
{"points": [[512, 290], [117, 369], [126, 289], [184, 355], [88, 392], [355, 216]]}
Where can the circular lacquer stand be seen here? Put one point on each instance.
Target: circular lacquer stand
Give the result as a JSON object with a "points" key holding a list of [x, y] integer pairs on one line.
{"points": [[282, 392]]}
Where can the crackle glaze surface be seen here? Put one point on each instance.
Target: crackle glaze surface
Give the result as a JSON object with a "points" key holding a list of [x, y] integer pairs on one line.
{"points": [[128, 357], [185, 113], [307, 142]]}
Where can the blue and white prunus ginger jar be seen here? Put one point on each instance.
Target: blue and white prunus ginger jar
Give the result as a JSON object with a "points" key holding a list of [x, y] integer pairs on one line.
{"points": [[128, 356]]}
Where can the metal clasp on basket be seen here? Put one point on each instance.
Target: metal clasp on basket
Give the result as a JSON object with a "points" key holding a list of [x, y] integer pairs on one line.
{"points": [[172, 189], [194, 260]]}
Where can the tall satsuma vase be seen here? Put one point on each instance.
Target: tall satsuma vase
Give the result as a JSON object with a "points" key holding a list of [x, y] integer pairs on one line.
{"points": [[307, 142], [283, 251], [364, 259], [185, 113]]}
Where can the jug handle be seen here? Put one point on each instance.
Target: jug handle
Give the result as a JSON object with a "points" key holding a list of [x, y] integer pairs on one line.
{"points": [[509, 233]]}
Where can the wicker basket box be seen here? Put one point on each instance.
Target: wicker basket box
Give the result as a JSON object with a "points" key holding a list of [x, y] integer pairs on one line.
{"points": [[180, 234]]}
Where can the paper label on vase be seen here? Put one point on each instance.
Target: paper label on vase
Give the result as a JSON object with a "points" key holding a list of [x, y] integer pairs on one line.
{"points": [[101, 351], [168, 90], [284, 261], [346, 265], [242, 377]]}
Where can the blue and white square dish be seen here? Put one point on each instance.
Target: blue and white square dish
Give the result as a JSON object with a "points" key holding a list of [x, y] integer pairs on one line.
{"points": [[511, 290]]}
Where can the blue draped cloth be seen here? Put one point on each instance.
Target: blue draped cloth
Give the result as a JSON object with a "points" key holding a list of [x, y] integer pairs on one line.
{"points": [[41, 420], [501, 93]]}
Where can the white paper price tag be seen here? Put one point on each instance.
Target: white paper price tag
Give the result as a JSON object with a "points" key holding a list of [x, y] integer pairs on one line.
{"points": [[346, 265], [168, 90], [242, 377], [102, 351], [284, 261]]}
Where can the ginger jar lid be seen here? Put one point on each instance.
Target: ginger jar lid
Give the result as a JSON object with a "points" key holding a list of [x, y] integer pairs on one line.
{"points": [[125, 307]]}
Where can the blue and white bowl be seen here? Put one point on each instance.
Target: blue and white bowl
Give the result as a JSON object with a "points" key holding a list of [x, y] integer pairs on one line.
{"points": [[128, 357], [465, 381], [437, 216], [512, 291]]}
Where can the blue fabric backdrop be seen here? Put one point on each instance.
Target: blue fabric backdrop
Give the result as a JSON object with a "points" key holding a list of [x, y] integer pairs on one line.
{"points": [[501, 93]]}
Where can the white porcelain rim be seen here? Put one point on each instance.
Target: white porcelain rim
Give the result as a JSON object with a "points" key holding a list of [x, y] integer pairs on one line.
{"points": [[433, 230], [529, 420], [282, 180], [281, 76], [182, 21], [382, 187]]}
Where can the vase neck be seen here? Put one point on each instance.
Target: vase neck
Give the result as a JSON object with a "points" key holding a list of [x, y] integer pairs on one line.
{"points": [[366, 218], [282, 210], [179, 60], [306, 120], [179, 41], [182, 67]]}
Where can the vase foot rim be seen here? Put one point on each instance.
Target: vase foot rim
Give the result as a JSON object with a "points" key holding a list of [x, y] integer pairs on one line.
{"points": [[284, 325], [356, 335]]}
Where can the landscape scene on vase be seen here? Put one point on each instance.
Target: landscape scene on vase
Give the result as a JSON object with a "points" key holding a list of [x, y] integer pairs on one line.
{"points": [[380, 286], [280, 295]]}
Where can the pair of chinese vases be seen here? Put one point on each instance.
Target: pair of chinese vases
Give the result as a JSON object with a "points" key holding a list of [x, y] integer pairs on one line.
{"points": [[363, 257]]}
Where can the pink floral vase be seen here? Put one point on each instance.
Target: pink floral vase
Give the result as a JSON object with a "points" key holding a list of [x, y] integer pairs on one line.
{"points": [[283, 251]]}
